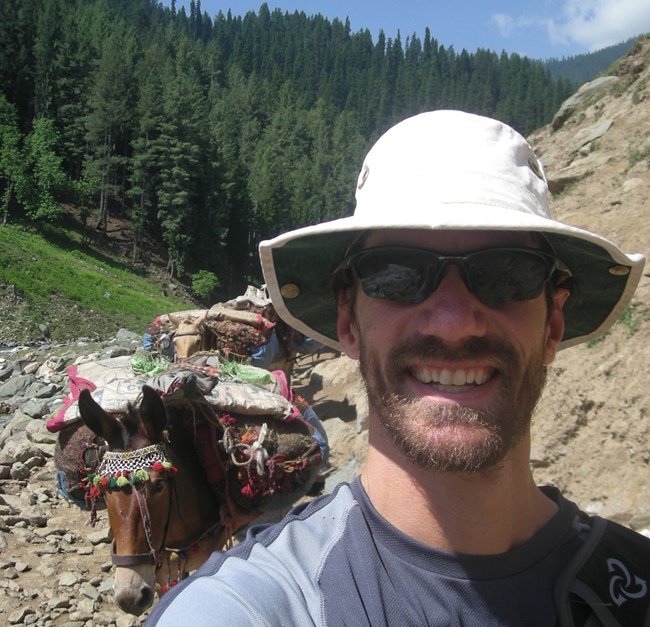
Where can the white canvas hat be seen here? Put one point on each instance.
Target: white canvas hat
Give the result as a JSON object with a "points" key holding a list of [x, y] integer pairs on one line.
{"points": [[447, 170]]}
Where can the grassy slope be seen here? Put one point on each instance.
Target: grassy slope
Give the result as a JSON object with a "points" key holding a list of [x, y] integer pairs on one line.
{"points": [[72, 290]]}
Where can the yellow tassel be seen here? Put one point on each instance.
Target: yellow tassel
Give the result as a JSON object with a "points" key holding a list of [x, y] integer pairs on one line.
{"points": [[142, 475], [122, 481]]}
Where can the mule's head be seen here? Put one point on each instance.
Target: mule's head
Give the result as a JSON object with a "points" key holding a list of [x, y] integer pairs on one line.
{"points": [[135, 477], [188, 338]]}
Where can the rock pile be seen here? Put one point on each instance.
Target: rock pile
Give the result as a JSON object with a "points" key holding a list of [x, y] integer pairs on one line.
{"points": [[55, 568]]}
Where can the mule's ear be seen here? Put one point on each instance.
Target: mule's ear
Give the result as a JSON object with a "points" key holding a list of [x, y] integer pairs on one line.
{"points": [[153, 415], [98, 421]]}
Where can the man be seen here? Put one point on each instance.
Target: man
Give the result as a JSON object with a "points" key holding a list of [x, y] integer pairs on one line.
{"points": [[454, 289]]}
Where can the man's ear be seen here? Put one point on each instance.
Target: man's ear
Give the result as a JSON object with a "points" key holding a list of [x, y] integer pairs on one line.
{"points": [[348, 333], [555, 324]]}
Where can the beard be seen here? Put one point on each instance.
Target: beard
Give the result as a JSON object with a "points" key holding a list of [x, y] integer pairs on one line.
{"points": [[431, 436]]}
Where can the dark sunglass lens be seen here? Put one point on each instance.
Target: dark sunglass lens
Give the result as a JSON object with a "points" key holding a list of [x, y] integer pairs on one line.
{"points": [[385, 275], [501, 277]]}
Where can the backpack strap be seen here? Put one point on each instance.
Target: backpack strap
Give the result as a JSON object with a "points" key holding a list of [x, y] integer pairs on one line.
{"points": [[606, 584]]}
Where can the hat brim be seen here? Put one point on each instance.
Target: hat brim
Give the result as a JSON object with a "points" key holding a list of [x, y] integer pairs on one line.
{"points": [[305, 260]]}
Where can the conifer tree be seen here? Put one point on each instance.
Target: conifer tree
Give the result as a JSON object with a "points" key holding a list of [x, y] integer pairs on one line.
{"points": [[12, 166], [110, 118]]}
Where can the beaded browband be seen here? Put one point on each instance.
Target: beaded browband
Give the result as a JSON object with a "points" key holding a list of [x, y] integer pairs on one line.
{"points": [[119, 469]]}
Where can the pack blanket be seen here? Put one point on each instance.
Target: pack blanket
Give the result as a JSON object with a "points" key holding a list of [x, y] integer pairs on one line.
{"points": [[233, 332], [255, 440], [112, 383]]}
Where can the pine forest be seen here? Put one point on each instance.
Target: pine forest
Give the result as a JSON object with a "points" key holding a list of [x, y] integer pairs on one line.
{"points": [[211, 133]]}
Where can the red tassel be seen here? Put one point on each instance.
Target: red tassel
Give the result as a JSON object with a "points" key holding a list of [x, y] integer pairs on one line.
{"points": [[158, 467], [227, 420]]}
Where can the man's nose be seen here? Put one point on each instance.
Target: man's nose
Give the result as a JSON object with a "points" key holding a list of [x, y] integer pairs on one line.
{"points": [[451, 312]]}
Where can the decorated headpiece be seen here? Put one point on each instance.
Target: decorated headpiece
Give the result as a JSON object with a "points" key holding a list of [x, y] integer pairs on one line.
{"points": [[121, 468]]}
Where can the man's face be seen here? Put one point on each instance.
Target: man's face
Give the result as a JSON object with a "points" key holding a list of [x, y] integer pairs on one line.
{"points": [[452, 381]]}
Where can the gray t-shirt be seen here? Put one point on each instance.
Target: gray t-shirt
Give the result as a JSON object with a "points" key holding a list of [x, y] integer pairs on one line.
{"points": [[335, 561]]}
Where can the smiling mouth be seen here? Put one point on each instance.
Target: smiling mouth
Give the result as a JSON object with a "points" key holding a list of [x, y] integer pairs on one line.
{"points": [[454, 378]]}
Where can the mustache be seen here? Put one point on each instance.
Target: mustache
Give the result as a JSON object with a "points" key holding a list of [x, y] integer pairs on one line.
{"points": [[503, 355]]}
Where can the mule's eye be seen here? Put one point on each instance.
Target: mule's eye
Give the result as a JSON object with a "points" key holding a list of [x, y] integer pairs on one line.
{"points": [[158, 486]]}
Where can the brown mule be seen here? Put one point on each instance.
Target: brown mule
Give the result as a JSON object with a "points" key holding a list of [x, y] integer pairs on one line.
{"points": [[165, 523]]}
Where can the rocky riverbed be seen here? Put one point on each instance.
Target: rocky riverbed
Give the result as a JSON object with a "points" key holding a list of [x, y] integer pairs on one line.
{"points": [[56, 569]]}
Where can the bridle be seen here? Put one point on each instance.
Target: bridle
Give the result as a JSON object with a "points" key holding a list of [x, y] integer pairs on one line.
{"points": [[131, 464], [154, 556], [131, 468]]}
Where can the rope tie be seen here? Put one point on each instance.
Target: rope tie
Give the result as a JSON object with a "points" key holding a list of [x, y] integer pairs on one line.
{"points": [[254, 451], [258, 451]]}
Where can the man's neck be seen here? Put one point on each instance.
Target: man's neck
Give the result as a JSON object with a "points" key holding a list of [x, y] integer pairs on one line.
{"points": [[481, 514]]}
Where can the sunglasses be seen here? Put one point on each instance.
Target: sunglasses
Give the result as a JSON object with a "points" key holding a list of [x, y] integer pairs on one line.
{"points": [[496, 276]]}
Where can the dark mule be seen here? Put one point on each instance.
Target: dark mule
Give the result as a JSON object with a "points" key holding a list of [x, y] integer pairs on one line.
{"points": [[179, 478], [165, 523]]}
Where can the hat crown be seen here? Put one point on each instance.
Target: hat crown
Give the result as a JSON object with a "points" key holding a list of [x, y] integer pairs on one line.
{"points": [[450, 160]]}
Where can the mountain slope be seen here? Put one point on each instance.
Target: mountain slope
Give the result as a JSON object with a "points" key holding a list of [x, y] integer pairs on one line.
{"points": [[592, 431]]}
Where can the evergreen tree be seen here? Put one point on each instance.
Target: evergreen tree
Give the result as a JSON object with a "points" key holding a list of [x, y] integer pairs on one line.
{"points": [[184, 161], [44, 177], [110, 118], [238, 118], [17, 20], [12, 167], [146, 159], [284, 147], [71, 79]]}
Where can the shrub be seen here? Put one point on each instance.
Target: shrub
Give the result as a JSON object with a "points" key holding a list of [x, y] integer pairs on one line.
{"points": [[204, 283]]}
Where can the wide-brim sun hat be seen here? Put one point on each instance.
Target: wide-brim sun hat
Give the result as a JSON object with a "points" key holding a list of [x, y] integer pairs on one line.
{"points": [[438, 171]]}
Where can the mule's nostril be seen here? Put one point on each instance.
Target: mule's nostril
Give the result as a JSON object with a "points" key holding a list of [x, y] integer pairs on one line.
{"points": [[146, 598]]}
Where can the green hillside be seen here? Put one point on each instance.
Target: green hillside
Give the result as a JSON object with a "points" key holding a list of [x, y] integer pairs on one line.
{"points": [[54, 288]]}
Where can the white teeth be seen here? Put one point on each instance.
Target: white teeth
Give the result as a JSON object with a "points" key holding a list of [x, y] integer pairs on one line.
{"points": [[421, 376], [460, 378], [448, 377]]}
